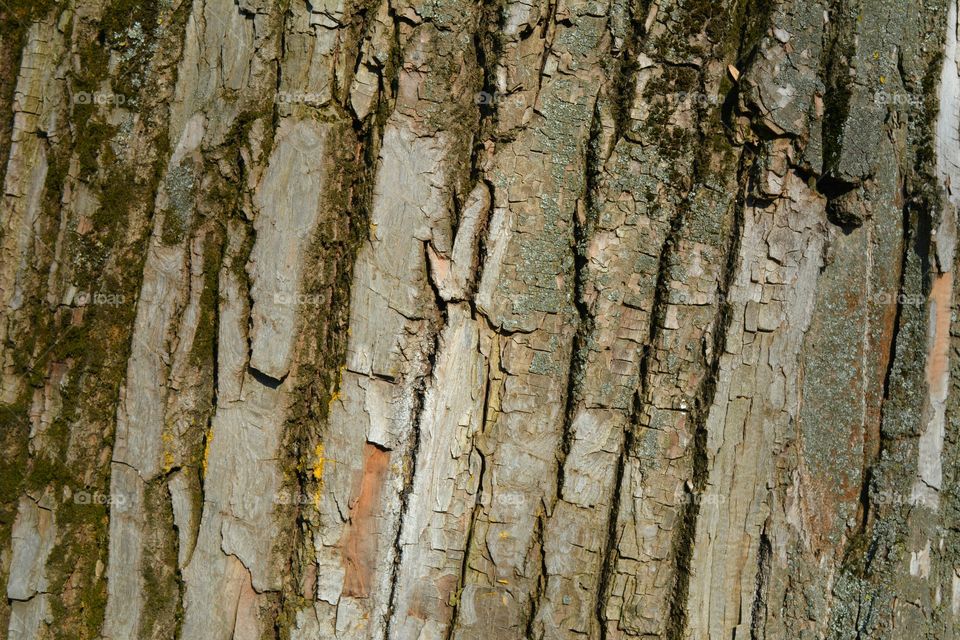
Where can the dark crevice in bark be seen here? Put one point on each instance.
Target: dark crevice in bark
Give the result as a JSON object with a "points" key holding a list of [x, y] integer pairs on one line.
{"points": [[483, 232], [420, 388], [530, 629], [438, 300], [419, 393], [549, 32], [685, 534], [266, 380], [180, 584], [215, 387], [641, 399], [477, 505], [608, 558], [641, 396], [488, 49], [486, 127], [627, 68], [583, 221], [246, 290], [471, 528], [215, 309], [308, 431], [835, 60], [582, 229], [758, 616], [396, 61], [754, 20]]}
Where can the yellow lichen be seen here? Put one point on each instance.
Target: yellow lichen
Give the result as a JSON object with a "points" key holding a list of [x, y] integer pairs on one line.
{"points": [[335, 392], [318, 463], [168, 458], [206, 453]]}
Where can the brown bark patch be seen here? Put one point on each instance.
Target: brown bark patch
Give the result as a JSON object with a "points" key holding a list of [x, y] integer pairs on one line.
{"points": [[246, 625], [360, 540], [938, 358]]}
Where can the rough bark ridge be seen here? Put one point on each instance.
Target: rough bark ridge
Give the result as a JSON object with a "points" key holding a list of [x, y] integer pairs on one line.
{"points": [[462, 320]]}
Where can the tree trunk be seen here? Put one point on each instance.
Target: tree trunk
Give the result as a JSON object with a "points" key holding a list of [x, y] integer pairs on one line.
{"points": [[456, 320]]}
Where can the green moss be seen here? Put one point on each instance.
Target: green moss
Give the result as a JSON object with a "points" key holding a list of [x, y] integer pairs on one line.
{"points": [[204, 342], [91, 134], [687, 20], [16, 17], [748, 24], [172, 228], [129, 27], [13, 440], [91, 145], [161, 584], [239, 133], [94, 344], [82, 538]]}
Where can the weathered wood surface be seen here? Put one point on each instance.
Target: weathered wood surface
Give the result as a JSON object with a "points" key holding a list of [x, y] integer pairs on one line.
{"points": [[453, 320]]}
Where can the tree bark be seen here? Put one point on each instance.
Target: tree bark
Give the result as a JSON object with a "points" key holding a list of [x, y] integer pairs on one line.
{"points": [[465, 320]]}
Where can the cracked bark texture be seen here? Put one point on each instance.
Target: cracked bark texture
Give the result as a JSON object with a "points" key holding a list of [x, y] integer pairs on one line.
{"points": [[394, 320]]}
